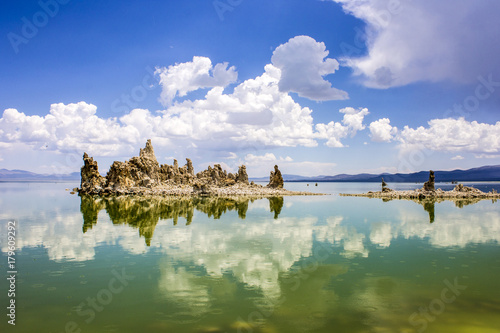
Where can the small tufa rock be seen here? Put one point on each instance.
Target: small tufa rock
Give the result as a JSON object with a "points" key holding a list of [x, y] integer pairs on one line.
{"points": [[466, 189], [189, 166], [275, 179], [429, 185], [92, 181], [241, 176], [385, 189], [384, 184]]}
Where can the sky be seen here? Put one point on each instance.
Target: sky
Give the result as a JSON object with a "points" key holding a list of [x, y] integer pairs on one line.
{"points": [[316, 87]]}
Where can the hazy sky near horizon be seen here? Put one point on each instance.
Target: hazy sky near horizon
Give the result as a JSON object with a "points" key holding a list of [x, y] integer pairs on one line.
{"points": [[317, 87]]}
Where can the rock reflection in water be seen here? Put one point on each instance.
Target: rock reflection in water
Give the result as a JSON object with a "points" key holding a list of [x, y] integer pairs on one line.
{"points": [[429, 208], [145, 212], [429, 204]]}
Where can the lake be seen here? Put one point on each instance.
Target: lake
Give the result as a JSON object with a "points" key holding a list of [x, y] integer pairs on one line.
{"points": [[291, 264]]}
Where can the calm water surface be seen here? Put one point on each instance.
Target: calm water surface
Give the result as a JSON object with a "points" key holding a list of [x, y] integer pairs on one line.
{"points": [[292, 264]]}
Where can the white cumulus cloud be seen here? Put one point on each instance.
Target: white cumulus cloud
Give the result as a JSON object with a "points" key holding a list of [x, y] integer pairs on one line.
{"points": [[303, 63], [446, 135], [335, 131], [67, 128], [262, 164], [426, 40], [252, 159], [455, 135], [382, 131], [180, 79], [489, 156], [353, 119], [256, 115]]}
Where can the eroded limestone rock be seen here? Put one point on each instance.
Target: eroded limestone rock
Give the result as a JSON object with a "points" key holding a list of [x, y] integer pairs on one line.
{"points": [[460, 188], [384, 186], [91, 179], [143, 170], [241, 176], [429, 185], [275, 178], [143, 174]]}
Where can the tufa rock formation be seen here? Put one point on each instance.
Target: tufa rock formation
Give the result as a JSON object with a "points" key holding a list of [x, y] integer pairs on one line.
{"points": [[91, 179], [242, 176], [275, 179], [142, 171], [460, 188], [429, 185], [144, 175], [429, 192], [384, 186]]}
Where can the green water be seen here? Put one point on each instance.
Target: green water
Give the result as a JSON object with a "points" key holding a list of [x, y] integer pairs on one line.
{"points": [[292, 264]]}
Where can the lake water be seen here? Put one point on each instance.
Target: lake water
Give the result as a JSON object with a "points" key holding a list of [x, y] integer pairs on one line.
{"points": [[292, 264]]}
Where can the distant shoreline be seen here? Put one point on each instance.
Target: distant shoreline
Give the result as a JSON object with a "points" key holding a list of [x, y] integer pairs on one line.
{"points": [[39, 181], [256, 181], [378, 181], [489, 173]]}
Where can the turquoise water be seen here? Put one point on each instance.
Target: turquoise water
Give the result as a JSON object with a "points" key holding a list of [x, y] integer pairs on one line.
{"points": [[292, 264]]}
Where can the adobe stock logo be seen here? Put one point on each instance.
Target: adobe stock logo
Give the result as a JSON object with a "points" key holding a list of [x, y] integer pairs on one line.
{"points": [[428, 314], [40, 19], [104, 297], [222, 6]]}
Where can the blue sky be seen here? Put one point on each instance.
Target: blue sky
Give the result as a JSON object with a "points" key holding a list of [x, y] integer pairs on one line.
{"points": [[317, 87]]}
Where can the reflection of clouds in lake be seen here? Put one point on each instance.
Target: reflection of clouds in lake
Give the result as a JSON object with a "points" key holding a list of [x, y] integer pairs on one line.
{"points": [[62, 237], [381, 234], [353, 245], [184, 288], [346, 236], [455, 228], [451, 228], [64, 240], [254, 253], [281, 241]]}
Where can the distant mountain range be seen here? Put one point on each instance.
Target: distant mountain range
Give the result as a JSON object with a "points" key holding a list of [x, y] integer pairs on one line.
{"points": [[485, 173], [26, 176]]}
